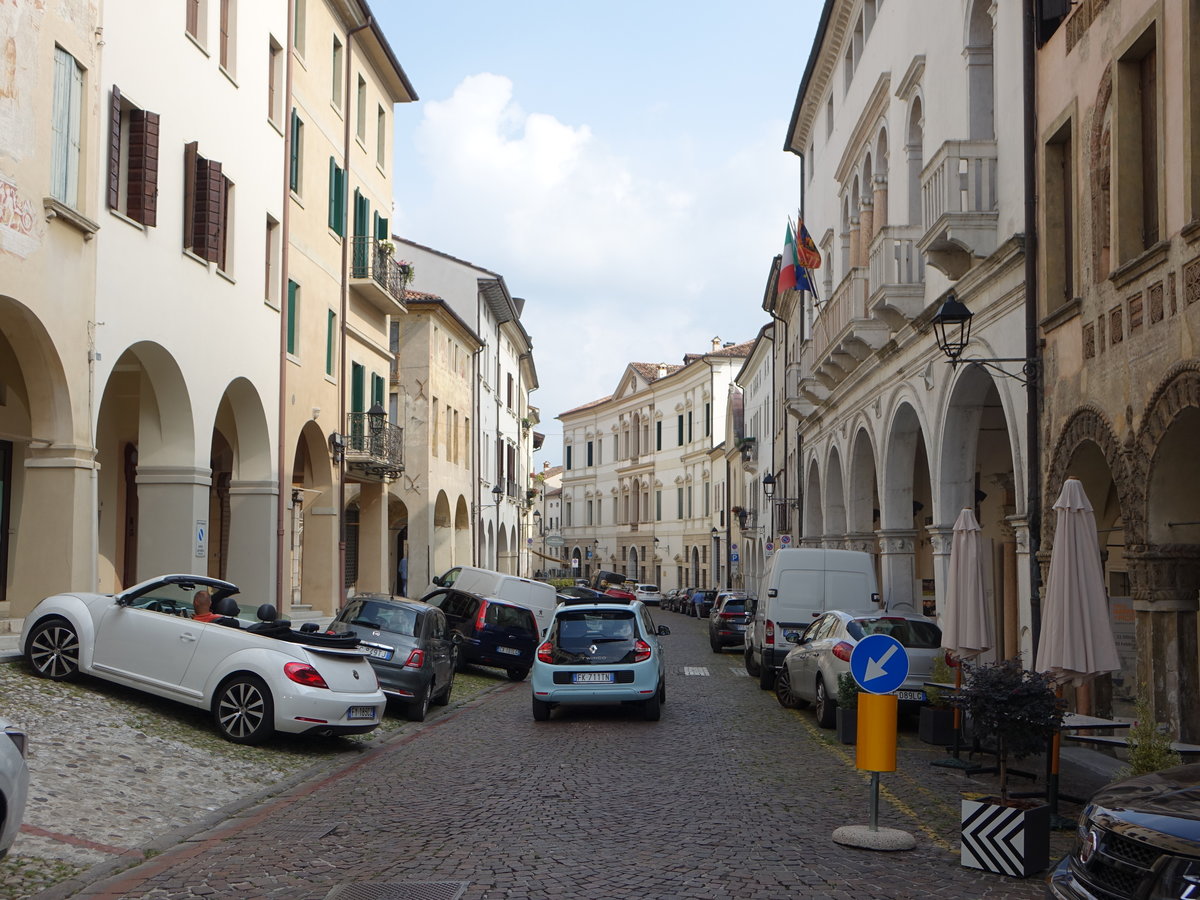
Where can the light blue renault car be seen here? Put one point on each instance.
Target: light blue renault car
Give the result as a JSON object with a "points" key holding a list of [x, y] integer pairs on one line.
{"points": [[599, 653]]}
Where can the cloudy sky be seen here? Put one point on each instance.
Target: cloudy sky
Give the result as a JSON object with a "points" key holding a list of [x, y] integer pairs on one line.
{"points": [[619, 163]]}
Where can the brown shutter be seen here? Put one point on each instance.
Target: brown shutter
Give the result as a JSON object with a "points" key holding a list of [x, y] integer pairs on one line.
{"points": [[210, 201], [143, 167], [190, 162], [114, 149], [222, 223]]}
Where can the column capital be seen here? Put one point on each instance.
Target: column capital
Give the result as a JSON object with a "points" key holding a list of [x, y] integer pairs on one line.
{"points": [[896, 540], [941, 537]]}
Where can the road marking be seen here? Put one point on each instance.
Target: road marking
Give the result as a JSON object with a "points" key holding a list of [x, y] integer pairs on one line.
{"points": [[738, 670], [695, 670]]}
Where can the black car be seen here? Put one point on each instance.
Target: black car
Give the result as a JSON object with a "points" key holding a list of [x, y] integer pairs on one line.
{"points": [[727, 623], [488, 631], [408, 645], [1136, 838], [701, 610]]}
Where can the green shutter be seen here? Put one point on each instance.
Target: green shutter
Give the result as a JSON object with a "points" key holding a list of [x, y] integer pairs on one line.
{"points": [[381, 228], [376, 389], [334, 183], [291, 316], [294, 160], [330, 328], [358, 375]]}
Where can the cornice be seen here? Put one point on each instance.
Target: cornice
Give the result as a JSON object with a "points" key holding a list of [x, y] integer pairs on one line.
{"points": [[875, 107], [827, 64]]}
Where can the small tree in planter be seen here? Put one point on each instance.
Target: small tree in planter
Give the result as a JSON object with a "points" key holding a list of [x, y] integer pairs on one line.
{"points": [[847, 709], [1016, 712]]}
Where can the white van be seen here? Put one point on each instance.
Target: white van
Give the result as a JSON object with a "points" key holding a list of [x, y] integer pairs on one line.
{"points": [[800, 584], [535, 595]]}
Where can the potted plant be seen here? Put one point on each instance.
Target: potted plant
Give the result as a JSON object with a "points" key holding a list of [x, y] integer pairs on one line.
{"points": [[846, 713], [1014, 712], [936, 725], [1149, 746]]}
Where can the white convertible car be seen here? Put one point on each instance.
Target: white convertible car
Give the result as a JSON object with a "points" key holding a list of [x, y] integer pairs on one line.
{"points": [[256, 677]]}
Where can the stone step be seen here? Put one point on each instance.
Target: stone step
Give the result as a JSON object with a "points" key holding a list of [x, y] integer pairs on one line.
{"points": [[10, 625]]}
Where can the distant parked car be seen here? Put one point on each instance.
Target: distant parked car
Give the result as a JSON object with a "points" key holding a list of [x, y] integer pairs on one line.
{"points": [[648, 594], [14, 782], [255, 677], [702, 609], [488, 631], [810, 671], [408, 645], [727, 622]]}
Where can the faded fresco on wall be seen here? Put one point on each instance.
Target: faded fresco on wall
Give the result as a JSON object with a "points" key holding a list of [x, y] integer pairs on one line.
{"points": [[18, 221], [20, 26]]}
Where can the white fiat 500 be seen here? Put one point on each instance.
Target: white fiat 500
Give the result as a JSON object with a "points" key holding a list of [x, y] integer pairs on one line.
{"points": [[255, 677]]}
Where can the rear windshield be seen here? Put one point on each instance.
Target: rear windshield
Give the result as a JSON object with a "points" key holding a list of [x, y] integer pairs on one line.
{"points": [[734, 606], [909, 632], [509, 617], [386, 617], [648, 588], [595, 636]]}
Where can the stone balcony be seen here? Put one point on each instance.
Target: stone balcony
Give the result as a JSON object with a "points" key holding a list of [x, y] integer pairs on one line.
{"points": [[897, 275], [845, 333], [959, 206]]}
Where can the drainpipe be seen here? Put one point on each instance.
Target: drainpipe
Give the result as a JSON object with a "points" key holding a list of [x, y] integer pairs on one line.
{"points": [[285, 238], [1033, 386], [345, 305]]}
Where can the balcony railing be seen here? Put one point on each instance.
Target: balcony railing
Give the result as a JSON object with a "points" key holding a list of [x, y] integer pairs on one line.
{"points": [[844, 332], [376, 276], [374, 447], [897, 274], [959, 205]]}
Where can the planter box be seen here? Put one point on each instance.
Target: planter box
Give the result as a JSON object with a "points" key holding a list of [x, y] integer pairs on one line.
{"points": [[847, 725], [936, 726], [1006, 840]]}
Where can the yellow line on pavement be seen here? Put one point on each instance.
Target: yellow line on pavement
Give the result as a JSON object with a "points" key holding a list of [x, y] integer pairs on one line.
{"points": [[838, 750]]}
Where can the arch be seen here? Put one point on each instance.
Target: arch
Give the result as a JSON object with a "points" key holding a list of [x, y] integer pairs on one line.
{"points": [[863, 507], [632, 569], [1172, 420], [1089, 426], [32, 370], [974, 406], [881, 149], [980, 77], [905, 437], [442, 538], [835, 496], [813, 518], [462, 532], [915, 150]]}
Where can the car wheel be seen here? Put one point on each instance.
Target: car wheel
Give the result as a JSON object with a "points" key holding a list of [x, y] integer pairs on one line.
{"points": [[460, 662], [766, 677], [517, 674], [716, 648], [243, 710], [418, 709], [53, 650], [783, 689], [652, 708], [541, 710], [443, 697], [751, 665], [662, 693], [825, 705]]}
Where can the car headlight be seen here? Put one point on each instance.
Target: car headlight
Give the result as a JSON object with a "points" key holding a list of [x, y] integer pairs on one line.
{"points": [[1179, 880], [20, 739]]}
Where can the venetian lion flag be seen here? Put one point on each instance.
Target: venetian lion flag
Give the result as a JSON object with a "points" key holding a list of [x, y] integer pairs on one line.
{"points": [[787, 267], [806, 253]]}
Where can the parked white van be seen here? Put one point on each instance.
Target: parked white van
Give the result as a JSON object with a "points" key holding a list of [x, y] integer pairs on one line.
{"points": [[535, 595], [799, 585]]}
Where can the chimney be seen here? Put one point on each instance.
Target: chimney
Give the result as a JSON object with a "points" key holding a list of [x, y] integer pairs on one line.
{"points": [[662, 370], [716, 344]]}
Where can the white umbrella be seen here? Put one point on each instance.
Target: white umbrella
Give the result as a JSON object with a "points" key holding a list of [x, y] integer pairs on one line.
{"points": [[966, 623], [1076, 641]]}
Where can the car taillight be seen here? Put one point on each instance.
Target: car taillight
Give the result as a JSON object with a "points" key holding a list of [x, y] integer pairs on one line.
{"points": [[842, 651], [415, 660], [952, 661], [544, 653], [303, 673], [481, 619], [729, 615], [770, 633], [641, 650]]}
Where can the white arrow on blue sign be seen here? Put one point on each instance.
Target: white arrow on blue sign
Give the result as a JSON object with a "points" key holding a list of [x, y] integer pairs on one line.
{"points": [[879, 664]]}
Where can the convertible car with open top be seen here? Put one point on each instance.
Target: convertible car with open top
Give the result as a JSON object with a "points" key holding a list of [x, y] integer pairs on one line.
{"points": [[255, 677]]}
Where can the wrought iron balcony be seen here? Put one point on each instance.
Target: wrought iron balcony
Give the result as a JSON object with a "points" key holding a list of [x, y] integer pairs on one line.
{"points": [[845, 333], [375, 276], [959, 206], [374, 447], [897, 270]]}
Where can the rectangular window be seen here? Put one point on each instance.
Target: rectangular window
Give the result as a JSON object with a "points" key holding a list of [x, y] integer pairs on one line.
{"points": [[299, 28], [196, 23], [433, 427], [567, 514], [335, 87], [296, 153], [273, 251], [589, 456], [1059, 228], [589, 512], [330, 340], [133, 160], [207, 196], [658, 506], [381, 138], [65, 149], [377, 394], [568, 465], [1135, 141], [337, 198], [275, 83], [679, 503], [690, 510], [455, 455], [293, 302], [707, 419], [679, 428], [658, 435], [690, 420], [707, 499], [361, 115], [509, 391], [358, 388], [227, 51]]}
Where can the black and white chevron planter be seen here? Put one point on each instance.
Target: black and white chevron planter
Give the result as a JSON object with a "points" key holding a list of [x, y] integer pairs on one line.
{"points": [[1006, 840]]}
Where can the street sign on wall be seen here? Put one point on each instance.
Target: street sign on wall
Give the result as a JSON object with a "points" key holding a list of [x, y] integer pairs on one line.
{"points": [[555, 540]]}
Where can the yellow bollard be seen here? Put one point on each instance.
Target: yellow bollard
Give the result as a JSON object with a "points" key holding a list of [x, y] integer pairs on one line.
{"points": [[875, 749]]}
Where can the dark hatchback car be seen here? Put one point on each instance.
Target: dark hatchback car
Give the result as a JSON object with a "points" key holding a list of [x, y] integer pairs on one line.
{"points": [[1136, 838], [408, 645], [727, 623], [488, 631]]}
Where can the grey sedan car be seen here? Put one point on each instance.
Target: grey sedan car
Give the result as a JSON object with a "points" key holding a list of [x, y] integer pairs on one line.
{"points": [[14, 782], [408, 645]]}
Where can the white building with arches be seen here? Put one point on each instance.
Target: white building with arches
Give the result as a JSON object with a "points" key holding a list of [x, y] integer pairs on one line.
{"points": [[908, 201]]}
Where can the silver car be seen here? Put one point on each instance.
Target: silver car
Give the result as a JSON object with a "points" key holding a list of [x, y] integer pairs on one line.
{"points": [[648, 594], [14, 783], [810, 670]]}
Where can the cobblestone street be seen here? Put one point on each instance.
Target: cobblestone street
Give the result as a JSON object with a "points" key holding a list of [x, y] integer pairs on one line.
{"points": [[727, 796]]}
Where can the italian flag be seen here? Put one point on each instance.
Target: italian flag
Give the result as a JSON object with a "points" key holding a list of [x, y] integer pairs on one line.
{"points": [[787, 269]]}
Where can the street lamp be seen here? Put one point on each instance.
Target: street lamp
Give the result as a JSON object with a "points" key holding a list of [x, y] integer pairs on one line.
{"points": [[952, 329], [716, 539], [497, 494], [768, 484]]}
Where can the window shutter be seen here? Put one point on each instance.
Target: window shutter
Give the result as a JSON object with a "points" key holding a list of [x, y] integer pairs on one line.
{"points": [[294, 154], [190, 159], [334, 182], [381, 229], [143, 167], [210, 204], [222, 221], [114, 149]]}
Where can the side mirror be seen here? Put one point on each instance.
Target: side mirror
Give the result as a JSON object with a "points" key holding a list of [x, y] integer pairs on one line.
{"points": [[792, 637], [437, 579], [663, 630], [771, 592]]}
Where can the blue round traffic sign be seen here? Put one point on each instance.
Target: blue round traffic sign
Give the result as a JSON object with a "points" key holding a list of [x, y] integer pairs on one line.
{"points": [[879, 663]]}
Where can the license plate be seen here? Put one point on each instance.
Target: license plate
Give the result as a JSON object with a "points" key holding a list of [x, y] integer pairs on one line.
{"points": [[910, 695], [509, 650], [375, 652], [592, 677], [737, 627], [361, 712]]}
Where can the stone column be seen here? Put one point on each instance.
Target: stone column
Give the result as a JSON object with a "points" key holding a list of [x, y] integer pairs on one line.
{"points": [[940, 538], [53, 526], [856, 243], [1166, 578], [251, 563], [173, 521], [879, 205], [897, 551], [319, 587], [866, 231], [373, 539], [1025, 588]]}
